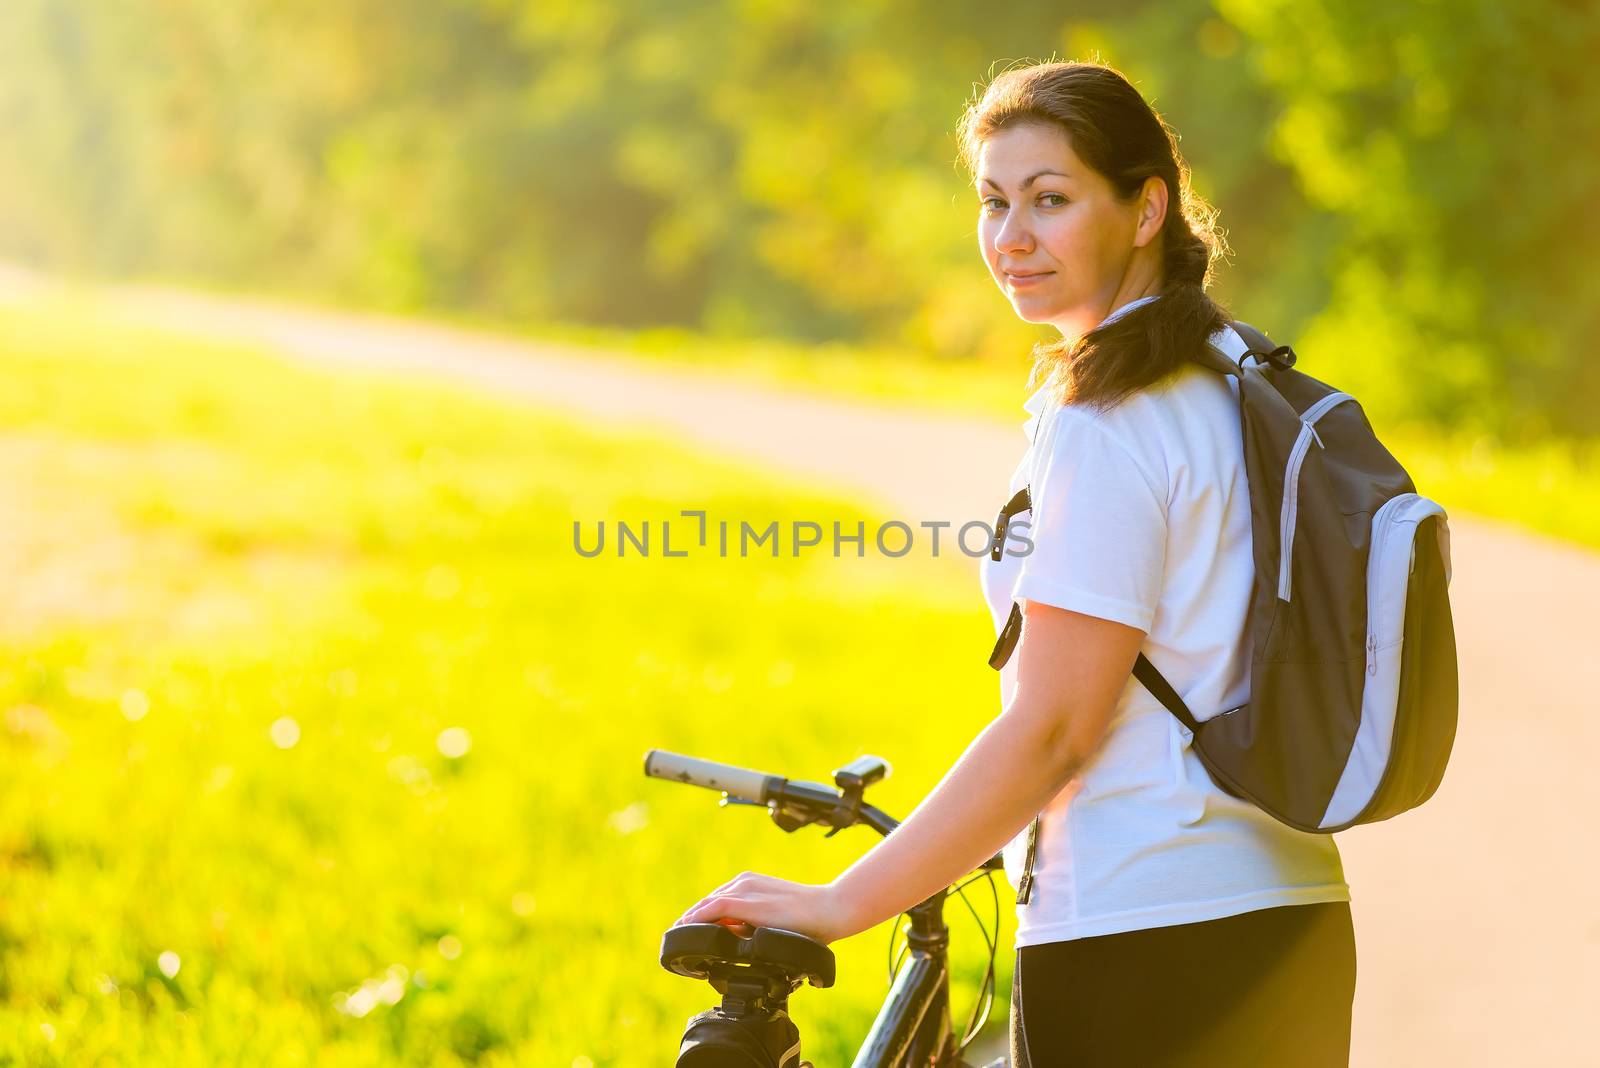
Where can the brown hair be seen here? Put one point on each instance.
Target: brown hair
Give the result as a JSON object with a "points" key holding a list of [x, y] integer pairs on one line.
{"points": [[1114, 130]]}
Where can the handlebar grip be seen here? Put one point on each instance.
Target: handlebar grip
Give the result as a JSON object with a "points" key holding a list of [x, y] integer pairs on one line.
{"points": [[738, 782]]}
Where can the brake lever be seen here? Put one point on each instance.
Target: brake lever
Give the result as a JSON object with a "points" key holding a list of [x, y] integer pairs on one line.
{"points": [[790, 819]]}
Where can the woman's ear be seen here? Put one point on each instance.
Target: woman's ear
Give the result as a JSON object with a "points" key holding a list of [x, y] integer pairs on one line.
{"points": [[1152, 211]]}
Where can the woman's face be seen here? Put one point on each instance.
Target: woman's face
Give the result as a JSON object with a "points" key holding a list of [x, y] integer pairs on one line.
{"points": [[1045, 214]]}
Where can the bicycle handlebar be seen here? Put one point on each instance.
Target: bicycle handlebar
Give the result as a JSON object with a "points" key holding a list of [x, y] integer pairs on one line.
{"points": [[743, 783], [793, 803]]}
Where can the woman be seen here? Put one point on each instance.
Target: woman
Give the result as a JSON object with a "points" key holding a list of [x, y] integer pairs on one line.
{"points": [[1167, 922]]}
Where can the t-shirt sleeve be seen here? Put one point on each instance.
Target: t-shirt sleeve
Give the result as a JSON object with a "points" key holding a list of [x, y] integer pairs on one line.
{"points": [[1099, 527]]}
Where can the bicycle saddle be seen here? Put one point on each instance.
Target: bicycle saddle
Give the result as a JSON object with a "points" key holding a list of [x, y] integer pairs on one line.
{"points": [[710, 951]]}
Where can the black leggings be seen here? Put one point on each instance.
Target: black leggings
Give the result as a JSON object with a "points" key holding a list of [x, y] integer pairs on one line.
{"points": [[1266, 988]]}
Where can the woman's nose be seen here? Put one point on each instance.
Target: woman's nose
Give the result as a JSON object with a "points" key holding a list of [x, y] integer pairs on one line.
{"points": [[1013, 235]]}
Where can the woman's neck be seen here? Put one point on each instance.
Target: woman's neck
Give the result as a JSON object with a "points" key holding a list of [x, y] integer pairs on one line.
{"points": [[1138, 287]]}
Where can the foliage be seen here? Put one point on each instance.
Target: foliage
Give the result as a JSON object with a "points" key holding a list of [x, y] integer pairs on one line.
{"points": [[1406, 186], [1454, 145]]}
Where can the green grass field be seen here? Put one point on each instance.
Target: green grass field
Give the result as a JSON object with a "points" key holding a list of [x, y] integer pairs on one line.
{"points": [[323, 746]]}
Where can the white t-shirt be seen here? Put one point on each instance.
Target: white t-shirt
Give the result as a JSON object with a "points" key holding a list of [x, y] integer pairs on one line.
{"points": [[1142, 516]]}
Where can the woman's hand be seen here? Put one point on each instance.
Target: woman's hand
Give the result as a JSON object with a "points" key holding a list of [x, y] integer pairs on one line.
{"points": [[763, 901]]}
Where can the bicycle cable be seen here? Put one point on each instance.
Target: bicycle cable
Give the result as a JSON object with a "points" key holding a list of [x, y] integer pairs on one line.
{"points": [[905, 947], [986, 991]]}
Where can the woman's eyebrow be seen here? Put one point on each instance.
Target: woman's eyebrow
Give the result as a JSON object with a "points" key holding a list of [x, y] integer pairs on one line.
{"points": [[1026, 182]]}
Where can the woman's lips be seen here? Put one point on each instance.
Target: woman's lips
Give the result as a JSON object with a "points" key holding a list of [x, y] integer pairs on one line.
{"points": [[1023, 281]]}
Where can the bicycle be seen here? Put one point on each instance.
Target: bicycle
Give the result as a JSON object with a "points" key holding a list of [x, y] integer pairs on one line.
{"points": [[756, 975]]}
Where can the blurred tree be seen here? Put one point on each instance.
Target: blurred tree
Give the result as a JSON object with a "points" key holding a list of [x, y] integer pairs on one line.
{"points": [[1455, 145], [1404, 185]]}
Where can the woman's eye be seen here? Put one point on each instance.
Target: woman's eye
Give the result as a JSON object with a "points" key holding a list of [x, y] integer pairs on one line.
{"points": [[1057, 197]]}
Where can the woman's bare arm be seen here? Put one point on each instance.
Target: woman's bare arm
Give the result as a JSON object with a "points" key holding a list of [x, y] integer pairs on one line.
{"points": [[1071, 669]]}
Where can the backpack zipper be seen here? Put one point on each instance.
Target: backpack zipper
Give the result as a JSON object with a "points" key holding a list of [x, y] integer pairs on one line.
{"points": [[1381, 520], [1291, 485]]}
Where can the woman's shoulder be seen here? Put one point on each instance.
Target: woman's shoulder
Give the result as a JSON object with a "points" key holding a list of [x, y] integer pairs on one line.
{"points": [[1158, 431], [1148, 417], [1119, 439]]}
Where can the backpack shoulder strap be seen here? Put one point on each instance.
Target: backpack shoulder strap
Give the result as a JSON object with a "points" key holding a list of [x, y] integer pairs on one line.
{"points": [[1006, 643], [1255, 339], [1266, 351], [1143, 670], [1157, 684], [1255, 342], [1214, 359]]}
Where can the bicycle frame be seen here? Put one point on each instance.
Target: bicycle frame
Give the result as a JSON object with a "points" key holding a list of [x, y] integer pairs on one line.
{"points": [[913, 1027]]}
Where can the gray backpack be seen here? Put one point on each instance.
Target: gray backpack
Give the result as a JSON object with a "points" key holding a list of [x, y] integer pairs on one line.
{"points": [[1353, 686]]}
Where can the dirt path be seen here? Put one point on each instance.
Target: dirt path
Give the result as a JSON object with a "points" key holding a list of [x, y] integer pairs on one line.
{"points": [[1477, 917]]}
